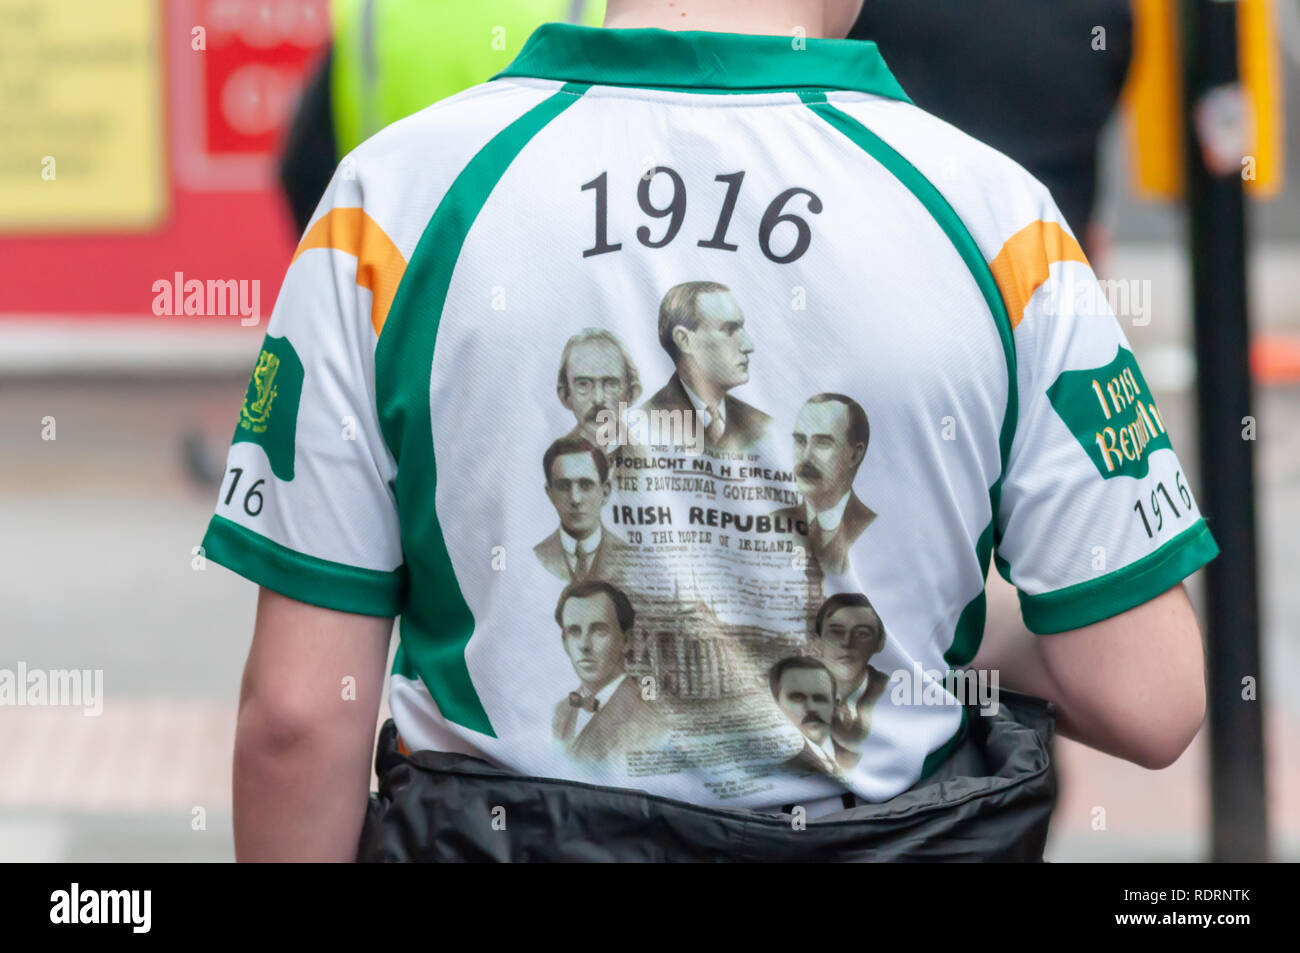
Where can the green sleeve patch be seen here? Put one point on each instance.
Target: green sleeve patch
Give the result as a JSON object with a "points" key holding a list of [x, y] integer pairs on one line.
{"points": [[1112, 414], [269, 415]]}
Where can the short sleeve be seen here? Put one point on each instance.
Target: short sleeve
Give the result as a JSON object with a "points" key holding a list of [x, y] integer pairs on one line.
{"points": [[1096, 512], [306, 505]]}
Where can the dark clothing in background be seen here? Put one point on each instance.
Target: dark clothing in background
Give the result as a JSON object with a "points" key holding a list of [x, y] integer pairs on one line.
{"points": [[1020, 75], [310, 151]]}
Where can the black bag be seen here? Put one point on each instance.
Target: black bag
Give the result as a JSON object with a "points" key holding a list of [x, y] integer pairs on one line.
{"points": [[991, 800]]}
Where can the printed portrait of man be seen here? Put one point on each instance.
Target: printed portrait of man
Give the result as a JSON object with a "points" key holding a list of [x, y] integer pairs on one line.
{"points": [[831, 433], [606, 714], [597, 375], [703, 330], [804, 689], [849, 633], [578, 486]]}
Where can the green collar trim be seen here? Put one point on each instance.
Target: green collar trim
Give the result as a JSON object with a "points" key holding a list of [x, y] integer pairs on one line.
{"points": [[702, 62]]}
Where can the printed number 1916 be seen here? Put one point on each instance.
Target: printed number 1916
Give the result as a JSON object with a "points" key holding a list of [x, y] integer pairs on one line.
{"points": [[775, 215], [251, 495], [1156, 512]]}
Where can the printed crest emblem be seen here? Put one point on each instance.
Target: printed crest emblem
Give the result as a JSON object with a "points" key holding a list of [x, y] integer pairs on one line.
{"points": [[269, 415], [255, 416]]}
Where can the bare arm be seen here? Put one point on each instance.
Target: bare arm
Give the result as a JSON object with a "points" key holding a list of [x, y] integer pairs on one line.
{"points": [[1132, 686], [302, 748]]}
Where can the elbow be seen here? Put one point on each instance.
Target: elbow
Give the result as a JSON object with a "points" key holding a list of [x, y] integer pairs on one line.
{"points": [[1169, 735], [271, 728], [1133, 685]]}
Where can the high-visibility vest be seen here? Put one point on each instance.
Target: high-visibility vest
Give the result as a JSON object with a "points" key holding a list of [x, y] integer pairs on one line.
{"points": [[394, 57]]}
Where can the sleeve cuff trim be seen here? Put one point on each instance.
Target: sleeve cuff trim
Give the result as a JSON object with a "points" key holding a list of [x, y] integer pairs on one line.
{"points": [[1087, 602], [310, 579]]}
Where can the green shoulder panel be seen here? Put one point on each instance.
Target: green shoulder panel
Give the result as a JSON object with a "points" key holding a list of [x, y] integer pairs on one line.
{"points": [[269, 415], [437, 623]]}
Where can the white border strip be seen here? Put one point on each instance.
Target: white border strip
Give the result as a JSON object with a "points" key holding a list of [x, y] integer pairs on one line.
{"points": [[36, 346]]}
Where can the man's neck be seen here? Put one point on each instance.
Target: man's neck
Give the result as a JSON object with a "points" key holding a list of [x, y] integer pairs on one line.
{"points": [[825, 502], [769, 17], [703, 388], [853, 684], [594, 689], [578, 534]]}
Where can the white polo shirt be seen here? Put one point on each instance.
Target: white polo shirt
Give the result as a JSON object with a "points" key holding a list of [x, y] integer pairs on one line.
{"points": [[387, 457]]}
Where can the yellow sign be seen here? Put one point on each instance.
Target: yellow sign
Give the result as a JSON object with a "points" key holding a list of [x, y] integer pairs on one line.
{"points": [[1154, 98], [81, 115]]}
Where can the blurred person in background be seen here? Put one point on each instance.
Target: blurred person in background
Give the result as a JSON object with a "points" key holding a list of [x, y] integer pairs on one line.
{"points": [[391, 58], [1037, 81]]}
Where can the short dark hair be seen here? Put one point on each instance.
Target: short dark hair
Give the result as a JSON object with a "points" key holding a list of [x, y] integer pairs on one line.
{"points": [[798, 662], [859, 426], [678, 308], [590, 587], [567, 445], [842, 600]]}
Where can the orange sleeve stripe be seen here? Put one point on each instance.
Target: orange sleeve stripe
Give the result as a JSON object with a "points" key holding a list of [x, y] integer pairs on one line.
{"points": [[380, 264], [1025, 262]]}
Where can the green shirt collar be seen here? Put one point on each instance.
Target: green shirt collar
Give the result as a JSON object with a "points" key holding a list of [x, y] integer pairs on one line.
{"points": [[696, 60]]}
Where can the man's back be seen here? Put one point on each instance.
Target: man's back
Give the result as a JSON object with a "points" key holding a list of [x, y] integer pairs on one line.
{"points": [[893, 315]]}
